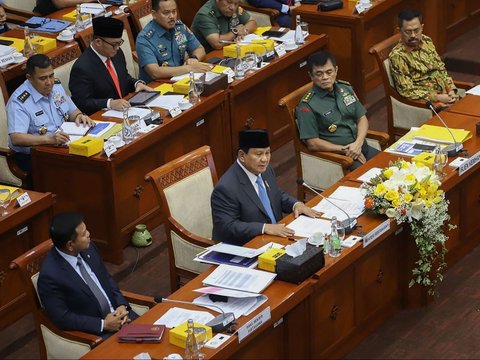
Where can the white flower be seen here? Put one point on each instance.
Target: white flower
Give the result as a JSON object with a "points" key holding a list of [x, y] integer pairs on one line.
{"points": [[390, 212], [416, 210]]}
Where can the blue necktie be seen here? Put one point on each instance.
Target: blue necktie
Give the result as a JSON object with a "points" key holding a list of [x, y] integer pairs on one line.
{"points": [[102, 300], [262, 194]]}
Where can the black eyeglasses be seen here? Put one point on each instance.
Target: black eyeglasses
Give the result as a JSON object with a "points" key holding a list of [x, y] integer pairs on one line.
{"points": [[114, 45]]}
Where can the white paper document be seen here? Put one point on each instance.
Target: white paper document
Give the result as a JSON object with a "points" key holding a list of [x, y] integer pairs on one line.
{"points": [[371, 173], [176, 316], [352, 208], [70, 128], [131, 111], [235, 250], [306, 226], [94, 8], [288, 37], [196, 76], [236, 278], [238, 306], [166, 101], [474, 91]]}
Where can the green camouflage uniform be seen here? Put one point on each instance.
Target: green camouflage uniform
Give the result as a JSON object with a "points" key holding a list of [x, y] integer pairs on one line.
{"points": [[209, 20], [332, 116], [419, 74]]}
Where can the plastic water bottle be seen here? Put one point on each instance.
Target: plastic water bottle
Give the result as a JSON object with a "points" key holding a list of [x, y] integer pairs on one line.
{"points": [[192, 91], [299, 38], [128, 133], [335, 249], [28, 49], [437, 166], [191, 346], [79, 24]]}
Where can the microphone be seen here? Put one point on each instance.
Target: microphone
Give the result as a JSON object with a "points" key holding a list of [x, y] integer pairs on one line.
{"points": [[452, 149], [105, 13], [348, 224], [218, 324], [154, 117]]}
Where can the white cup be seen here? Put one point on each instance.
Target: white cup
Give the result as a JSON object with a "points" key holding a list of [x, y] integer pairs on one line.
{"points": [[289, 45], [116, 140], [316, 239], [66, 34], [17, 56]]}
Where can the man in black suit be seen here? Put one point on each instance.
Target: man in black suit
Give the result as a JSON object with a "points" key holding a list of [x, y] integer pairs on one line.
{"points": [[99, 78], [74, 286], [247, 201]]}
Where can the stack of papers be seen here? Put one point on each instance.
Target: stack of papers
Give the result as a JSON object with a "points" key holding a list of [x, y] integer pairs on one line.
{"points": [[143, 113], [474, 91], [93, 8], [6, 50], [441, 134], [350, 199], [238, 302], [166, 101], [306, 226], [242, 279], [176, 316]]}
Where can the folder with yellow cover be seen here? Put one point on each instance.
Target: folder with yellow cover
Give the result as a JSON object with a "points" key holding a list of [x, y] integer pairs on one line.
{"points": [[441, 134], [14, 191]]}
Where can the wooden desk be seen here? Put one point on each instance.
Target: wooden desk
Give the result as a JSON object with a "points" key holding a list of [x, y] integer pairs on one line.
{"points": [[253, 101], [112, 193], [20, 230], [469, 105]]}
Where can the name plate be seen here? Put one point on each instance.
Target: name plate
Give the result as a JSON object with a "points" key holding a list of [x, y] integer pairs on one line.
{"points": [[376, 233], [174, 111], [109, 148], [24, 199], [6, 60], [254, 324], [470, 163], [280, 50]]}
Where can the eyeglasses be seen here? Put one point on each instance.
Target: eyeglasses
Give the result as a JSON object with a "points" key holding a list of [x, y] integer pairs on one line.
{"points": [[412, 32], [114, 45]]}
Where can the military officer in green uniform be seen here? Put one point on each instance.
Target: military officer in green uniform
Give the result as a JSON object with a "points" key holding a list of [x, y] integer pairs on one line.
{"points": [[166, 47], [221, 20], [330, 116], [418, 71]]}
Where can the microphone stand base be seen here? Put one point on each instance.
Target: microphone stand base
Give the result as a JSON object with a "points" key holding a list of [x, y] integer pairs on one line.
{"points": [[349, 225], [454, 149]]}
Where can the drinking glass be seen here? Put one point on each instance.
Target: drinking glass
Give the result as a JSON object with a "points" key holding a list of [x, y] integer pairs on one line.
{"points": [[5, 198], [251, 60], [198, 88], [304, 27], [443, 160], [201, 336], [340, 231]]}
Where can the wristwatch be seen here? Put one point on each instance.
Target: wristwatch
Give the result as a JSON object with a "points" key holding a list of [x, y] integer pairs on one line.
{"points": [[234, 31]]}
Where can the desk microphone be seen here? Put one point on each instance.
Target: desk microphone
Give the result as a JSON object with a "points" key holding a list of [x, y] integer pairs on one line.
{"points": [[348, 224], [105, 13], [218, 324], [154, 117], [452, 149]]}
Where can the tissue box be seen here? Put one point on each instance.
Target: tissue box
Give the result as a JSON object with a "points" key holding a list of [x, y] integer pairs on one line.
{"points": [[263, 44], [231, 50], [295, 270], [44, 44], [182, 86], [72, 16], [86, 146], [220, 82], [267, 261], [424, 158], [178, 335]]}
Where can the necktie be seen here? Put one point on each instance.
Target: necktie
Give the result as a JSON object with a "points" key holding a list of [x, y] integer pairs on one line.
{"points": [[114, 76], [102, 300], [262, 194]]}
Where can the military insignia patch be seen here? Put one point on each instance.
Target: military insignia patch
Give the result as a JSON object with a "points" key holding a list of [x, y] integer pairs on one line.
{"points": [[332, 128], [307, 97], [349, 100], [23, 96], [149, 34], [42, 130], [305, 110]]}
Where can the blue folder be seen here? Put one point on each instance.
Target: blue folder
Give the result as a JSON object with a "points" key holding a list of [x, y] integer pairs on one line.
{"points": [[47, 25]]}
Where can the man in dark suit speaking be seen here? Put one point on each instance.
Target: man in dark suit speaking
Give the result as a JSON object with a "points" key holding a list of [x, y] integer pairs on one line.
{"points": [[247, 201], [74, 286], [99, 78]]}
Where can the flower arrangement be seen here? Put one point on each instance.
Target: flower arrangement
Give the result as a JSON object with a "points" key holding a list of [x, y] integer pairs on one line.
{"points": [[408, 192]]}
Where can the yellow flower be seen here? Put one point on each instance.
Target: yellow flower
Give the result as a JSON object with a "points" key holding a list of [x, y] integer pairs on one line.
{"points": [[391, 195], [410, 179], [437, 199], [397, 202], [407, 197], [422, 193], [380, 189], [388, 173], [404, 164]]}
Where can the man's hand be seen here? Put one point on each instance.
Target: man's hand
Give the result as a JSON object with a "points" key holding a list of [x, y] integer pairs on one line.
{"points": [[58, 138], [242, 30], [84, 120], [191, 61], [142, 87], [198, 66], [444, 98], [297, 4], [119, 104], [453, 96], [114, 322], [122, 311], [353, 150], [278, 230], [301, 208]]}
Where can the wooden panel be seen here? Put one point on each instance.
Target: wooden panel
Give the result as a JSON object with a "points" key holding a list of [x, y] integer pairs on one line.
{"points": [[271, 345], [187, 10], [377, 280], [332, 314], [470, 200]]}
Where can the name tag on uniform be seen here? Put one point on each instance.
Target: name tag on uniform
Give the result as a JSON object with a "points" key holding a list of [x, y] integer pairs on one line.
{"points": [[327, 113], [38, 113]]}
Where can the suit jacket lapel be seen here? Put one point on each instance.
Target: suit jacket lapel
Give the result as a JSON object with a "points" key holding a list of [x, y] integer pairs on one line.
{"points": [[104, 71], [249, 189]]}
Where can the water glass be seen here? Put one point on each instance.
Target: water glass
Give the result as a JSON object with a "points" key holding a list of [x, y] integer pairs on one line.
{"points": [[201, 336], [251, 61], [199, 86], [304, 27], [5, 198]]}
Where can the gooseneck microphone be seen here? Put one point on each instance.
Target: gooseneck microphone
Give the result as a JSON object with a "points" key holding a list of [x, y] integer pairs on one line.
{"points": [[218, 324], [348, 224], [452, 149]]}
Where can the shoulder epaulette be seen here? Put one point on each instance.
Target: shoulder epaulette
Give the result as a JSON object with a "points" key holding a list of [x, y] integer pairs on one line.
{"points": [[148, 34], [344, 82], [212, 13], [23, 96], [57, 81], [307, 97]]}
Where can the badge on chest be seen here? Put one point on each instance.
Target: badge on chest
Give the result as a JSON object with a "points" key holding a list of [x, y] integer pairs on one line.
{"points": [[349, 100]]}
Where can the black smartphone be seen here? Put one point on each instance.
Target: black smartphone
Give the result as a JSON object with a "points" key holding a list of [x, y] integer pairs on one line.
{"points": [[6, 42], [214, 60]]}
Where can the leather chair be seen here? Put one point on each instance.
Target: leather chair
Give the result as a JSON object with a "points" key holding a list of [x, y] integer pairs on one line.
{"points": [[183, 188], [10, 174], [19, 11], [320, 169], [55, 343], [263, 16], [62, 61], [140, 14], [402, 113]]}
